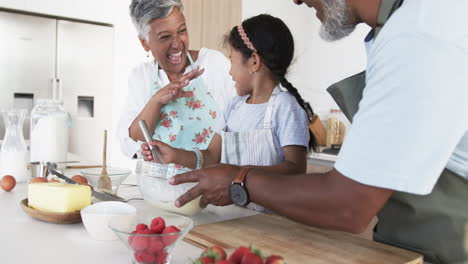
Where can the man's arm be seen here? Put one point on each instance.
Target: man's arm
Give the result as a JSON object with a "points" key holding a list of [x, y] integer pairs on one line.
{"points": [[328, 200]]}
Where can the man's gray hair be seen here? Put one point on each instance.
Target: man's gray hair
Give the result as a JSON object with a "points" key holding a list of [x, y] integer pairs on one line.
{"points": [[143, 12]]}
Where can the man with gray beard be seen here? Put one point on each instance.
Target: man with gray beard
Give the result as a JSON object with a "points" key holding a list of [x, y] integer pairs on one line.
{"points": [[405, 158]]}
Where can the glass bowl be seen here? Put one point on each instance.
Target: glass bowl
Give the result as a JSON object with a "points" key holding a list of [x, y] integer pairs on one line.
{"points": [[153, 182], [150, 248], [115, 174]]}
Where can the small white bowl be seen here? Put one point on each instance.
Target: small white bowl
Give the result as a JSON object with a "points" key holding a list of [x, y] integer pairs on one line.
{"points": [[95, 218]]}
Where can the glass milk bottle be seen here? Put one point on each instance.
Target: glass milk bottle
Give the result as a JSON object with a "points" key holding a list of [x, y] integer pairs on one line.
{"points": [[14, 156], [49, 132]]}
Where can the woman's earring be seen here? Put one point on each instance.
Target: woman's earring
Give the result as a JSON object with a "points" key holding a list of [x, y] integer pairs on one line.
{"points": [[147, 54]]}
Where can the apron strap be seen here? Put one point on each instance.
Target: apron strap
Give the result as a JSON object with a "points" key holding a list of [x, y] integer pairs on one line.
{"points": [[269, 110], [387, 7]]}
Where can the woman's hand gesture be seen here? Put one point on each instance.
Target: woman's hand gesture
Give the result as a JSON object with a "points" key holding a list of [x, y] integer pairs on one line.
{"points": [[174, 89]]}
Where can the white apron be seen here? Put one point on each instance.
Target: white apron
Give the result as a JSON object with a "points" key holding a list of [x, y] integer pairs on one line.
{"points": [[253, 147]]}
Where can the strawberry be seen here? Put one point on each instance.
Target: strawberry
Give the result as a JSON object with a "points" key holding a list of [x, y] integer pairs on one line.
{"points": [[215, 252], [148, 232], [141, 227], [155, 245], [251, 258], [225, 261], [169, 239], [130, 238], [142, 256], [140, 243], [161, 257], [273, 259], [158, 224], [237, 256], [204, 260]]}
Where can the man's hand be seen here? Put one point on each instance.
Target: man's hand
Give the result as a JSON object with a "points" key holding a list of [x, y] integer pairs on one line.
{"points": [[213, 185]]}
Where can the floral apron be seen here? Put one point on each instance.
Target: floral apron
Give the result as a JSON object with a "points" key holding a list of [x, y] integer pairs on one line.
{"points": [[187, 123]]}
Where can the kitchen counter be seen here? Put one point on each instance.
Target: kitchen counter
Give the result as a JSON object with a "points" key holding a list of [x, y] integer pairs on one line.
{"points": [[24, 239]]}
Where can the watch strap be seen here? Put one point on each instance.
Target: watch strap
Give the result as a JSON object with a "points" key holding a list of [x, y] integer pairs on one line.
{"points": [[240, 177]]}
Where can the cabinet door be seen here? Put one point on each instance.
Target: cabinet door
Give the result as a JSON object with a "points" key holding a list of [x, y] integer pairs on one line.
{"points": [[27, 59], [193, 11], [14, 4], [84, 68], [219, 16], [92, 10]]}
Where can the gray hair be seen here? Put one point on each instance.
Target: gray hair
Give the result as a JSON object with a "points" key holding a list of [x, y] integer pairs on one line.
{"points": [[337, 22], [143, 12]]}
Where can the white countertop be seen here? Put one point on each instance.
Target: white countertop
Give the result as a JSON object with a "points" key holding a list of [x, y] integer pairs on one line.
{"points": [[24, 239], [322, 156]]}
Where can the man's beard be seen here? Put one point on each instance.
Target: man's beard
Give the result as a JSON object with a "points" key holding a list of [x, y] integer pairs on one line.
{"points": [[337, 20]]}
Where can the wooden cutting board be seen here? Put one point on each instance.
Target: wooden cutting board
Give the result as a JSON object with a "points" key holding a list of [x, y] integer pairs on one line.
{"points": [[297, 243]]}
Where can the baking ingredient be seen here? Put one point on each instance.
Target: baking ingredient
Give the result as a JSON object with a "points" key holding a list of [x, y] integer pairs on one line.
{"points": [[8, 182], [169, 239], [58, 197], [204, 260], [238, 254], [158, 224], [274, 259], [49, 138], [141, 227], [251, 258], [15, 163], [242, 255], [54, 180], [215, 252], [189, 208], [80, 179], [38, 180]]}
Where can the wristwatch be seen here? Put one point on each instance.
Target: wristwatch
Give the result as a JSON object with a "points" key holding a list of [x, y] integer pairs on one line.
{"points": [[237, 190]]}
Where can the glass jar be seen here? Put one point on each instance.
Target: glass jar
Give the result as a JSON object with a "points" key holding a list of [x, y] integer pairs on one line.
{"points": [[49, 132], [14, 152]]}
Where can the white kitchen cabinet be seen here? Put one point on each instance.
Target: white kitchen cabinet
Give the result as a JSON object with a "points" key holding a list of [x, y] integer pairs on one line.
{"points": [[90, 10], [36, 50], [13, 4], [27, 59], [85, 67]]}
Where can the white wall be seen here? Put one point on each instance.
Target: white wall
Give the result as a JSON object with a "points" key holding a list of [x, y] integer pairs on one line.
{"points": [[317, 63], [127, 53]]}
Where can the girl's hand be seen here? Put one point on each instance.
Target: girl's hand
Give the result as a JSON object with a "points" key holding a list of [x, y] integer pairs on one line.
{"points": [[166, 152], [174, 89]]}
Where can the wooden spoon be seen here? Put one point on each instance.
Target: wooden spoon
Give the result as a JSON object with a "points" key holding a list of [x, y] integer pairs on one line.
{"points": [[104, 183]]}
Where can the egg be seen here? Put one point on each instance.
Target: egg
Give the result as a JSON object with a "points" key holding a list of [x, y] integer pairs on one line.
{"points": [[54, 180], [38, 180], [80, 179], [8, 182]]}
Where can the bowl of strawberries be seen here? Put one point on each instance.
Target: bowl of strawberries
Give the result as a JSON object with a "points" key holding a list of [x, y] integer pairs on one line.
{"points": [[241, 255], [151, 238]]}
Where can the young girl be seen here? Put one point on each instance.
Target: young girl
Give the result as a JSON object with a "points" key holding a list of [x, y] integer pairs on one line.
{"points": [[264, 126]]}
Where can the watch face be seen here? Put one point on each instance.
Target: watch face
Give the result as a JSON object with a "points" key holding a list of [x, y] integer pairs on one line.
{"points": [[238, 194]]}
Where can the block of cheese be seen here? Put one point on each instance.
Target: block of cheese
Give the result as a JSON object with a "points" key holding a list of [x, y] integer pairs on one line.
{"points": [[58, 197]]}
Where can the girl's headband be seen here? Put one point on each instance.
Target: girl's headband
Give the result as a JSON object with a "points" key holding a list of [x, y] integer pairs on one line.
{"points": [[245, 38]]}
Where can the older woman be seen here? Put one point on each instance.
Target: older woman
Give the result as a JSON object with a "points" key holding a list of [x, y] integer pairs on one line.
{"points": [[181, 92]]}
